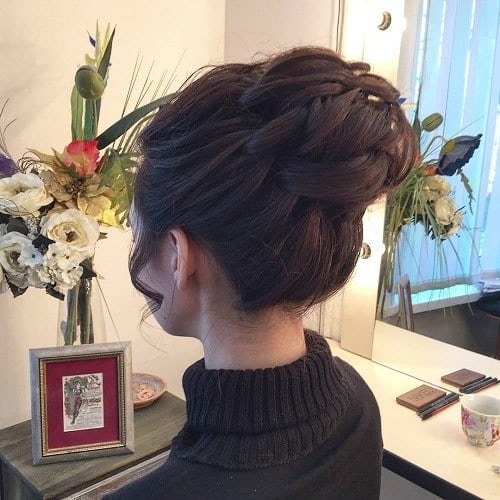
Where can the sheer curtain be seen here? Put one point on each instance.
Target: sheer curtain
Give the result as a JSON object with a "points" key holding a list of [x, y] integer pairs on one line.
{"points": [[456, 70]]}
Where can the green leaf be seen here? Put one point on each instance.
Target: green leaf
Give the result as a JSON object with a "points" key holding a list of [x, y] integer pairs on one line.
{"points": [[467, 186], [88, 271], [89, 123], [70, 325], [104, 64], [54, 293], [121, 126], [432, 122], [97, 113], [43, 157], [76, 114], [118, 173], [42, 243], [417, 128], [448, 146], [17, 224], [63, 167], [84, 312], [16, 291]]}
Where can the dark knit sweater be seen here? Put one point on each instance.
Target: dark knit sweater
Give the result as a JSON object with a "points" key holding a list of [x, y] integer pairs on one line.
{"points": [[307, 430]]}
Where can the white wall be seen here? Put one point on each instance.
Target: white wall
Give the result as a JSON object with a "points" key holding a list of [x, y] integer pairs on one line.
{"points": [[41, 45], [362, 40], [269, 26]]}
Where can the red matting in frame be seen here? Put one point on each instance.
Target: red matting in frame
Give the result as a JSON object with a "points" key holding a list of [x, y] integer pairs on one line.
{"points": [[54, 373]]}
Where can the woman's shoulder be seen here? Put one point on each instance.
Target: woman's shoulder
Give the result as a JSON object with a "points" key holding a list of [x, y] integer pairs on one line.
{"points": [[354, 383]]}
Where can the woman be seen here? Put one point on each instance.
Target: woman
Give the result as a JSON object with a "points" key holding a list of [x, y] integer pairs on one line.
{"points": [[248, 208]]}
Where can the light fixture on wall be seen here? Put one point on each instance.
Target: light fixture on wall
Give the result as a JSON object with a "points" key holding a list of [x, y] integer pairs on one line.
{"points": [[386, 21], [366, 251], [372, 32]]}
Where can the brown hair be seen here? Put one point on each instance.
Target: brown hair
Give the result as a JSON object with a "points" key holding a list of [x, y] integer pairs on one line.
{"points": [[270, 167]]}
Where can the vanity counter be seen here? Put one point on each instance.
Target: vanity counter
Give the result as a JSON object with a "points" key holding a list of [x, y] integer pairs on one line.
{"points": [[427, 358], [433, 453]]}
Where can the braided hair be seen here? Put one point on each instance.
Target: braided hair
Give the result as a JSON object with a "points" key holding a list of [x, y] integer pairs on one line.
{"points": [[270, 166]]}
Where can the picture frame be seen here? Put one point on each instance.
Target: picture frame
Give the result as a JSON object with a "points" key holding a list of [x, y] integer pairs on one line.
{"points": [[81, 402]]}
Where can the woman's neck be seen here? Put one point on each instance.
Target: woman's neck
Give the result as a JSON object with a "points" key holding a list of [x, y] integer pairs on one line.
{"points": [[270, 339]]}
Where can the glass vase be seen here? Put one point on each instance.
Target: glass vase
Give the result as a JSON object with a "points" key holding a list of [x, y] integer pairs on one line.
{"points": [[80, 318]]}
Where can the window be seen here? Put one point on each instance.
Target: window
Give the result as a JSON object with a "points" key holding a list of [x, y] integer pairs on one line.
{"points": [[456, 72]]}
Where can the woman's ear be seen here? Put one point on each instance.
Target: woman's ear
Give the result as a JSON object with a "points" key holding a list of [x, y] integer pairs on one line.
{"points": [[182, 258]]}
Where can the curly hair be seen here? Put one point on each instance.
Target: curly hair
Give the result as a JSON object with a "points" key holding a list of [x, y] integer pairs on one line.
{"points": [[270, 167]]}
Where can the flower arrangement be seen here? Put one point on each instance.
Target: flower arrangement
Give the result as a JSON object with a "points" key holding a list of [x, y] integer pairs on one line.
{"points": [[426, 197], [55, 207]]}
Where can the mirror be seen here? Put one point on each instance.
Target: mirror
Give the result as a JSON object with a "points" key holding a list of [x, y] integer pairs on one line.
{"points": [[450, 64]]}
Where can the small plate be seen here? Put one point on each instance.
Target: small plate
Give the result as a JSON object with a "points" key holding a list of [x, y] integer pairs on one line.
{"points": [[147, 389]]}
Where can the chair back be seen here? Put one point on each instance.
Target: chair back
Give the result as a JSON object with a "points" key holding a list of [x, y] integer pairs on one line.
{"points": [[405, 316]]}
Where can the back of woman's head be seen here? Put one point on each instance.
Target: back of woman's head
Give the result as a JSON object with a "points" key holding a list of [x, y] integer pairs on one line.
{"points": [[270, 166]]}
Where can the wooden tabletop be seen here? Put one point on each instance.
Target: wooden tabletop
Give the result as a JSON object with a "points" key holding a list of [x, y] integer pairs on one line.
{"points": [[155, 426]]}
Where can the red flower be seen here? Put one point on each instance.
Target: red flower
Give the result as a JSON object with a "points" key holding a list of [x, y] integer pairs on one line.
{"points": [[82, 155], [430, 170]]}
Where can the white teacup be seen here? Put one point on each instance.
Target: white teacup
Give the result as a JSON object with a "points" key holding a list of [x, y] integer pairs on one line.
{"points": [[481, 419]]}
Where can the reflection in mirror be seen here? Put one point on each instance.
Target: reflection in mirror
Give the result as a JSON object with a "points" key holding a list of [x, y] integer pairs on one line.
{"points": [[442, 232], [339, 317]]}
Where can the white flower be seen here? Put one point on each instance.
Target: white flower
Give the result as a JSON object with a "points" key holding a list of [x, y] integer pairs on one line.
{"points": [[456, 223], [11, 247], [444, 210], [60, 266], [3, 281], [78, 231], [32, 225], [435, 187], [448, 215], [30, 256], [23, 194]]}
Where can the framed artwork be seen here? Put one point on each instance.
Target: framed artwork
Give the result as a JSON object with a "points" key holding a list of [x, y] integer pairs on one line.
{"points": [[81, 402]]}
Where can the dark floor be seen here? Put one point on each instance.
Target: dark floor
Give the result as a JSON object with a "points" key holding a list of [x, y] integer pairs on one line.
{"points": [[464, 326]]}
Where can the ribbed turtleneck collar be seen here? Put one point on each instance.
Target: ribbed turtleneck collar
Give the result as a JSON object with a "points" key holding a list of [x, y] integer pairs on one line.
{"points": [[241, 419]]}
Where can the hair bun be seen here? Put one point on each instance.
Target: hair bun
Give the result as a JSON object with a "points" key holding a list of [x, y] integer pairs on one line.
{"points": [[270, 166], [346, 184], [331, 127]]}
